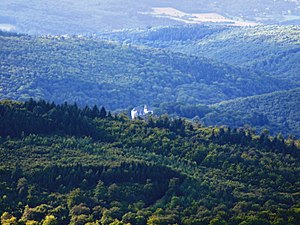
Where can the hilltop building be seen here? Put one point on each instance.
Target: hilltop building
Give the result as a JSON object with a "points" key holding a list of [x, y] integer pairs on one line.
{"points": [[140, 111]]}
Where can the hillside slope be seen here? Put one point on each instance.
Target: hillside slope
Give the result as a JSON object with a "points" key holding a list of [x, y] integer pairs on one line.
{"points": [[278, 112], [268, 49], [274, 49], [156, 171], [89, 71]]}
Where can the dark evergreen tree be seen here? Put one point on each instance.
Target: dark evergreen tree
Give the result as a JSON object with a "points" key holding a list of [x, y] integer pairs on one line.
{"points": [[102, 112]]}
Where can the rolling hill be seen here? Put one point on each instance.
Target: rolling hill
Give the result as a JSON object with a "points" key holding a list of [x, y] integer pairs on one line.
{"points": [[272, 50], [222, 147], [278, 112], [89, 71], [269, 50]]}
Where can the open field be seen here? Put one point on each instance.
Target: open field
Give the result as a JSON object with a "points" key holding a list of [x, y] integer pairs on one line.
{"points": [[195, 18]]}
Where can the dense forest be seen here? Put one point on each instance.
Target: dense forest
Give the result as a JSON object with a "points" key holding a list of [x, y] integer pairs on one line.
{"points": [[89, 71], [220, 144], [269, 49], [261, 112], [65, 164], [122, 73], [277, 112]]}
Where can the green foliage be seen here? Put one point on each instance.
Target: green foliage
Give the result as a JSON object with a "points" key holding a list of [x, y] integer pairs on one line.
{"points": [[50, 220], [32, 222], [75, 197], [45, 118], [161, 170], [278, 112], [96, 71], [8, 219], [89, 71], [260, 48], [217, 221]]}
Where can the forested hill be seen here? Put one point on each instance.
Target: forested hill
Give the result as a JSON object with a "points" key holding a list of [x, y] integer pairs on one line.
{"points": [[278, 112], [269, 49], [154, 171], [89, 71]]}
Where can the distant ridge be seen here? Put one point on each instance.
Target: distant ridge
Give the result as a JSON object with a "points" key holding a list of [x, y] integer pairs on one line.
{"points": [[94, 16], [278, 112], [90, 71]]}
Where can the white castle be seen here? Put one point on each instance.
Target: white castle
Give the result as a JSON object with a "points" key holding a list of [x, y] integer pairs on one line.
{"points": [[140, 111]]}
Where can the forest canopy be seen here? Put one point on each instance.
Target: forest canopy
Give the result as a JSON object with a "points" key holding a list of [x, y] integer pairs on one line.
{"points": [[159, 170], [122, 70]]}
